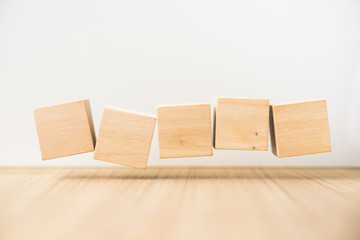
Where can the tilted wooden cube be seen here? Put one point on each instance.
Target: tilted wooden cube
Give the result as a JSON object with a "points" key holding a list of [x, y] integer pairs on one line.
{"points": [[65, 129], [184, 131], [242, 124], [300, 128], [124, 138]]}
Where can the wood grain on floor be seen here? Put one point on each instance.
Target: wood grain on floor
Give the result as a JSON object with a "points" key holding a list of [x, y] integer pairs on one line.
{"points": [[179, 203]]}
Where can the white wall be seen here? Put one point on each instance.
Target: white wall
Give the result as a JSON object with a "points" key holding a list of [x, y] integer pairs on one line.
{"points": [[136, 54]]}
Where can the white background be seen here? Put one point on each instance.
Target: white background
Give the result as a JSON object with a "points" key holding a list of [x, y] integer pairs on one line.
{"points": [[137, 54]]}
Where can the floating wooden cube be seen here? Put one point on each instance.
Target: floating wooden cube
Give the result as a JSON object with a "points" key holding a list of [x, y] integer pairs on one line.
{"points": [[124, 138], [184, 131], [300, 128], [65, 129], [242, 124]]}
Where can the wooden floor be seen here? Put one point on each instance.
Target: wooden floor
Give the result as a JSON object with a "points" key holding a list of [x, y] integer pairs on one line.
{"points": [[180, 203]]}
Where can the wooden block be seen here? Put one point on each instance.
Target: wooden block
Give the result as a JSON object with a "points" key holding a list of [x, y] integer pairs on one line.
{"points": [[124, 138], [300, 128], [65, 129], [242, 124], [184, 131]]}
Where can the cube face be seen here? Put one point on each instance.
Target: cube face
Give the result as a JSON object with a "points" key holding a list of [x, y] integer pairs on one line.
{"points": [[301, 128], [124, 138], [184, 131], [242, 124], [64, 129]]}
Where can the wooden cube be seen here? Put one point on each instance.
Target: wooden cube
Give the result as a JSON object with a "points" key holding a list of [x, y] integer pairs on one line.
{"points": [[65, 129], [242, 124], [300, 128], [124, 138], [184, 131]]}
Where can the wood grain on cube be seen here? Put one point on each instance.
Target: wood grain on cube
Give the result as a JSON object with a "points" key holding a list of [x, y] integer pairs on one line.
{"points": [[64, 129], [124, 138], [184, 131], [242, 124], [301, 128]]}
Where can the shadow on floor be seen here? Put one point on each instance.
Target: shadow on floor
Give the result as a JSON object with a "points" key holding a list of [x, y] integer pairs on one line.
{"points": [[213, 173]]}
